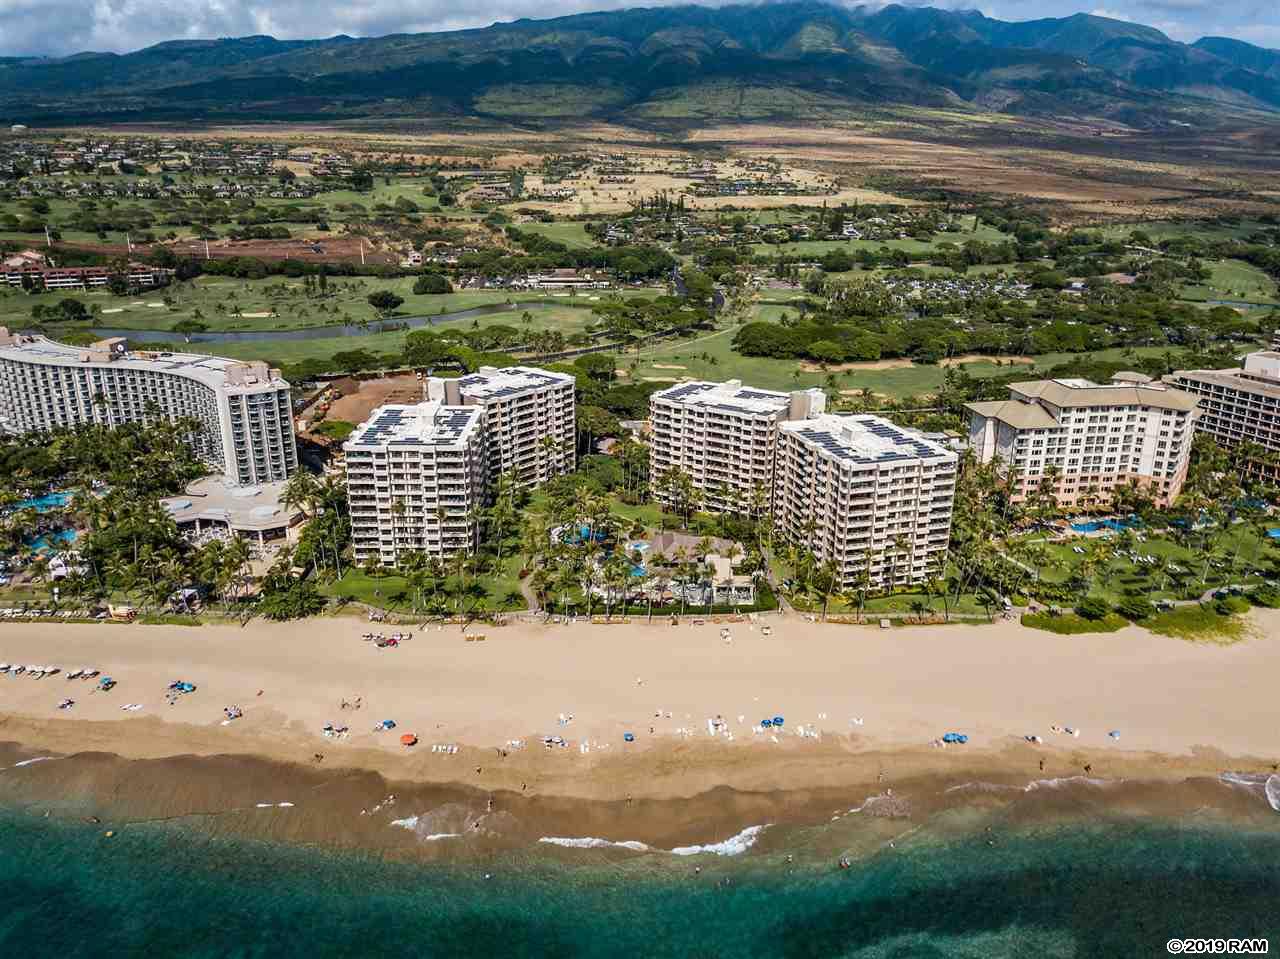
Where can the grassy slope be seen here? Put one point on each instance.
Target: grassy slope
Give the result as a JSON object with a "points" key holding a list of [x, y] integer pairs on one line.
{"points": [[711, 356], [1109, 584]]}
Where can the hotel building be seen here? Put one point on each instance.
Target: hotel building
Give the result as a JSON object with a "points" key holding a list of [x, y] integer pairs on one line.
{"points": [[1099, 437], [723, 436], [415, 477], [1239, 405], [244, 407], [865, 494], [528, 418]]}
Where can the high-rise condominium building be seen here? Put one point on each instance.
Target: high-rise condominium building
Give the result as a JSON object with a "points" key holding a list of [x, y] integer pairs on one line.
{"points": [[244, 407], [529, 418], [866, 495], [415, 477], [1240, 405], [722, 435], [1098, 437]]}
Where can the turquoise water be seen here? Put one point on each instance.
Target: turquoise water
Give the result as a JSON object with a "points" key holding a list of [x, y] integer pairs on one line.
{"points": [[46, 503], [53, 542], [1116, 525], [1105, 891]]}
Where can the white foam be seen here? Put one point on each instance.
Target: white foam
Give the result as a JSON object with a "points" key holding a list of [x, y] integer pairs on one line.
{"points": [[1254, 782], [1034, 785], [412, 825], [985, 787], [881, 797], [1064, 781], [733, 846], [28, 762], [591, 842], [1249, 780]]}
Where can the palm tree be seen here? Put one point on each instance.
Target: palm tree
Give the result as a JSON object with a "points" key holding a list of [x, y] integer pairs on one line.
{"points": [[617, 573], [861, 585], [901, 544], [300, 491], [539, 583], [237, 559], [826, 582]]}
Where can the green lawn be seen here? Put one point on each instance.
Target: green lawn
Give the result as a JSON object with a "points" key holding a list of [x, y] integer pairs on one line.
{"points": [[277, 303], [711, 356], [818, 248], [62, 211], [1172, 229], [571, 234], [1234, 280], [501, 589], [1113, 578], [567, 319]]}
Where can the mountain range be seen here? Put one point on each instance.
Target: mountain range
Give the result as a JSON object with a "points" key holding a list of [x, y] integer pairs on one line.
{"points": [[670, 65]]}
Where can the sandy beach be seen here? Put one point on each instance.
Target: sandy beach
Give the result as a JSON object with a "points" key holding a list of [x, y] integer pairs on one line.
{"points": [[854, 690]]}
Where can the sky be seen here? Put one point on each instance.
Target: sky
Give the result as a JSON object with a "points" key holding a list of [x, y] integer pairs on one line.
{"points": [[59, 27]]}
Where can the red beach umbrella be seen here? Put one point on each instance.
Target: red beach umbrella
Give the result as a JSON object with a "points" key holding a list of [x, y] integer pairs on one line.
{"points": [[408, 739]]}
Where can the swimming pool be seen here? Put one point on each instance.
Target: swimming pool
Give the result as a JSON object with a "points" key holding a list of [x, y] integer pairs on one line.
{"points": [[53, 542], [46, 503], [1117, 525]]}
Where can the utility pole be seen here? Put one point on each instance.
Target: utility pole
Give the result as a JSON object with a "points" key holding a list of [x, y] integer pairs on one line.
{"points": [[361, 250], [206, 249], [48, 241], [128, 242]]}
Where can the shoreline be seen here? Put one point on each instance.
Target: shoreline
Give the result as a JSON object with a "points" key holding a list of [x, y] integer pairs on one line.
{"points": [[859, 705], [592, 684]]}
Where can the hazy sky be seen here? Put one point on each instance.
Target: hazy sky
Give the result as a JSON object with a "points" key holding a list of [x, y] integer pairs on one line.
{"points": [[71, 26]]}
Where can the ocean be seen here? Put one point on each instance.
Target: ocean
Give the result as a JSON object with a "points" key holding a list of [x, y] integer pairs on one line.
{"points": [[962, 883]]}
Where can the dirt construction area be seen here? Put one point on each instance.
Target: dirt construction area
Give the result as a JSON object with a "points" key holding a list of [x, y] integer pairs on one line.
{"points": [[329, 249], [361, 397]]}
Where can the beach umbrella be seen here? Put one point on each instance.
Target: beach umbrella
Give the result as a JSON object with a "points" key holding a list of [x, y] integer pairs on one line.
{"points": [[388, 724], [408, 739], [777, 720], [629, 737], [766, 722]]}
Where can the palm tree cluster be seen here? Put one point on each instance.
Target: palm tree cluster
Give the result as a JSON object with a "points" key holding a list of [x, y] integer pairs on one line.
{"points": [[115, 476], [576, 547], [131, 547]]}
